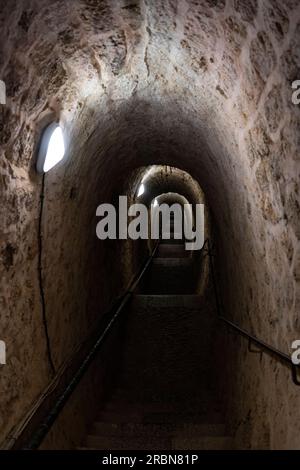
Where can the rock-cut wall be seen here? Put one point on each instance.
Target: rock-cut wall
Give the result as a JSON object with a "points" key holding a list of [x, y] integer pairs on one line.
{"points": [[204, 86]]}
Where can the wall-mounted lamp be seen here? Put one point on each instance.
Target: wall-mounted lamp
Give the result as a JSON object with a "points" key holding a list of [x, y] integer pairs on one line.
{"points": [[51, 151], [52, 148], [141, 190]]}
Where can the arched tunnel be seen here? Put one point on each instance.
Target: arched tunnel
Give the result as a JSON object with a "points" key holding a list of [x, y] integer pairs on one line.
{"points": [[192, 100]]}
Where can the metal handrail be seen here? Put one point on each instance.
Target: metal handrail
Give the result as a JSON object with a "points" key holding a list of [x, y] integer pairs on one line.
{"points": [[45, 426], [265, 347]]}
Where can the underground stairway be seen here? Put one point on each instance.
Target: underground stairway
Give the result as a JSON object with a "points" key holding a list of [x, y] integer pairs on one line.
{"points": [[164, 397], [123, 343]]}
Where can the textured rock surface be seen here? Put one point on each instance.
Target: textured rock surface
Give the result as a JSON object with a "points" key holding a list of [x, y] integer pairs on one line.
{"points": [[201, 85]]}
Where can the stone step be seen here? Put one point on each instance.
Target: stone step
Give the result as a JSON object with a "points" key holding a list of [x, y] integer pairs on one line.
{"points": [[172, 262], [202, 443], [158, 443], [119, 403], [124, 400], [172, 251], [167, 301], [170, 276], [158, 393], [129, 429], [127, 443], [119, 417], [172, 241]]}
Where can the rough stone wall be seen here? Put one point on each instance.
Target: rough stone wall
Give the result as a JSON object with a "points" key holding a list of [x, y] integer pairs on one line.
{"points": [[201, 85]]}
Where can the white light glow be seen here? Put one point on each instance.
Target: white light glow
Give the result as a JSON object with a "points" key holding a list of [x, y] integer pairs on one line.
{"points": [[141, 190], [155, 203], [55, 150]]}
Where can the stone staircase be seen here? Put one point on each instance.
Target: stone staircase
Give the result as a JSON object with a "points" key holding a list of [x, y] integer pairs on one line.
{"points": [[140, 428], [165, 396]]}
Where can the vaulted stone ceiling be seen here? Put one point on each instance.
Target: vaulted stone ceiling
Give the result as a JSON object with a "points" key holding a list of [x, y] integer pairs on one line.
{"points": [[204, 86]]}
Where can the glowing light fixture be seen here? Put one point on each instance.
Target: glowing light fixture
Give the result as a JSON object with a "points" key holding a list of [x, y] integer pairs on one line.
{"points": [[141, 190], [52, 148], [155, 203]]}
